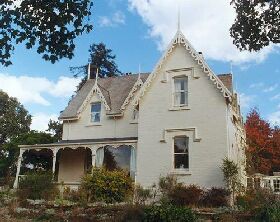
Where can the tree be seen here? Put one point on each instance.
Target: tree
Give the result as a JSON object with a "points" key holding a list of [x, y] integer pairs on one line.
{"points": [[14, 118], [50, 26], [276, 149], [256, 24], [230, 170], [11, 152], [55, 128], [259, 138], [101, 58]]}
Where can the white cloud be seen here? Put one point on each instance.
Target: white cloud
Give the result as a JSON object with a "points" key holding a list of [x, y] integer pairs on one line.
{"points": [[271, 88], [256, 85], [205, 23], [274, 118], [246, 100], [34, 89], [275, 97], [64, 87], [40, 121], [118, 18]]}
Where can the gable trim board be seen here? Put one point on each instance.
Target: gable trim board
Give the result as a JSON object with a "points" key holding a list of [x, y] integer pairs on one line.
{"points": [[115, 93], [90, 95], [137, 84], [178, 40]]}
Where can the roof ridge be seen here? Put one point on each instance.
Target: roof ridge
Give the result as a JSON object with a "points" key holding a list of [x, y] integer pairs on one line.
{"points": [[122, 76]]}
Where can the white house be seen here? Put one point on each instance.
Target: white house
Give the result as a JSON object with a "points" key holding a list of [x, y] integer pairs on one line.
{"points": [[180, 119]]}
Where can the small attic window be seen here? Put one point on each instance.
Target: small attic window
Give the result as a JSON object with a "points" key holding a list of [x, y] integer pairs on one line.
{"points": [[181, 91], [135, 113], [95, 112]]}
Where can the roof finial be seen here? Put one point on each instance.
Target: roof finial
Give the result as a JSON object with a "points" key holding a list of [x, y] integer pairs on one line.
{"points": [[139, 71], [231, 67], [179, 20], [96, 75], [88, 71]]}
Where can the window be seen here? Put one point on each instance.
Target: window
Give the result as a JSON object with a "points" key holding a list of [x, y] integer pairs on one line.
{"points": [[135, 113], [181, 152], [95, 112], [276, 184], [123, 157], [181, 91]]}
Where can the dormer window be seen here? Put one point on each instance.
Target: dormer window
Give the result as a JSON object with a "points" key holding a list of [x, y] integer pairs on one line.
{"points": [[95, 112], [181, 91]]}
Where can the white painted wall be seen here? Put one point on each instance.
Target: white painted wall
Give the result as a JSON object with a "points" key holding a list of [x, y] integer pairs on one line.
{"points": [[207, 113], [108, 127]]}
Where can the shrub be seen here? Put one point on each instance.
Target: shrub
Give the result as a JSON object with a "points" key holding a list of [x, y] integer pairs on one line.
{"points": [[132, 213], [107, 186], [215, 197], [141, 195], [254, 199], [269, 213], [185, 195], [37, 185], [78, 196], [166, 213], [230, 170], [166, 184]]}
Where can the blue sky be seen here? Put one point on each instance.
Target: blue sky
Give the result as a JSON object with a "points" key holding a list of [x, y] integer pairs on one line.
{"points": [[138, 31]]}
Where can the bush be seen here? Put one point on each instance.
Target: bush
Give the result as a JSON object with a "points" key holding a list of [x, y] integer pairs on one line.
{"points": [[168, 183], [141, 195], [255, 199], [132, 213], [269, 213], [166, 213], [78, 196], [215, 197], [107, 186], [185, 195], [37, 185]]}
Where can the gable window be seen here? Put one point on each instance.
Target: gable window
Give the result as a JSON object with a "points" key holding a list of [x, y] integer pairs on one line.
{"points": [[181, 91], [135, 113], [95, 112], [181, 152]]}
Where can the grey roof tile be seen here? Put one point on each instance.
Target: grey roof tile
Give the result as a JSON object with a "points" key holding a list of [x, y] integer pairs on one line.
{"points": [[114, 89]]}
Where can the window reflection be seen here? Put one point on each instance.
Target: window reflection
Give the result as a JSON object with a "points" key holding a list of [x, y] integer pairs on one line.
{"points": [[121, 158]]}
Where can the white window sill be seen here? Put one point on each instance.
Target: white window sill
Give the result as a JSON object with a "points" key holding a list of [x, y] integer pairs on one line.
{"points": [[178, 108], [94, 124], [181, 172]]}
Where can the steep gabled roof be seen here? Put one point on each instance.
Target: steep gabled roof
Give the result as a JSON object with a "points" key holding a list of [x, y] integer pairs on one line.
{"points": [[114, 90], [180, 39]]}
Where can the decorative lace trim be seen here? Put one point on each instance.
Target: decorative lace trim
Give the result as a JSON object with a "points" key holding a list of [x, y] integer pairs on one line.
{"points": [[90, 95], [137, 84], [180, 39]]}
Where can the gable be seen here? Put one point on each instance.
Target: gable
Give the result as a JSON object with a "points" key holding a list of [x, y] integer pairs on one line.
{"points": [[180, 39], [114, 92]]}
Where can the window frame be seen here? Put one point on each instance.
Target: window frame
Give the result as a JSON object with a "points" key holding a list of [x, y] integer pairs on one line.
{"points": [[91, 113], [173, 154], [135, 113], [186, 91]]}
